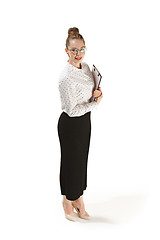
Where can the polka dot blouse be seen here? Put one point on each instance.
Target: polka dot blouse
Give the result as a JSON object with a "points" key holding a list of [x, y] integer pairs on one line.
{"points": [[76, 88]]}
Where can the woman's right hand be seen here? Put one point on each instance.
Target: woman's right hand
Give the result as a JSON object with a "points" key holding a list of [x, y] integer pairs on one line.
{"points": [[98, 99]]}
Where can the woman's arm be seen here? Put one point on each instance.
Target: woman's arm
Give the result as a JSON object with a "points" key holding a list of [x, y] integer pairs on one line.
{"points": [[67, 92]]}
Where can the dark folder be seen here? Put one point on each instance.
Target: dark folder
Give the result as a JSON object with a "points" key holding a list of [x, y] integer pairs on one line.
{"points": [[97, 79]]}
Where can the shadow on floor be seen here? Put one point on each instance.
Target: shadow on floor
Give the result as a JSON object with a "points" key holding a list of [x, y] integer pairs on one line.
{"points": [[117, 210]]}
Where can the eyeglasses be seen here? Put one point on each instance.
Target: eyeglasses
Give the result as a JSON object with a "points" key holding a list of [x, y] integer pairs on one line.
{"points": [[75, 51]]}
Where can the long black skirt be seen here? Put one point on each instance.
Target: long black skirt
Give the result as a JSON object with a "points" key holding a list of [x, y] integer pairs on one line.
{"points": [[74, 136]]}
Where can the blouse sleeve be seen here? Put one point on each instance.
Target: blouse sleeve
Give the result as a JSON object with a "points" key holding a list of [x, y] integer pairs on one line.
{"points": [[68, 95]]}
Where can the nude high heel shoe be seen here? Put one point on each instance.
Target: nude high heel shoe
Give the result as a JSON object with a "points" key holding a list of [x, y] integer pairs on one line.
{"points": [[71, 217], [84, 215]]}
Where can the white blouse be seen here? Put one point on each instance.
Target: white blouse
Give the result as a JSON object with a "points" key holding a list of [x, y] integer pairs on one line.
{"points": [[76, 88]]}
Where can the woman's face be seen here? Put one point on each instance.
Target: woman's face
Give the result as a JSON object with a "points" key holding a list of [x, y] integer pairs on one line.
{"points": [[75, 58]]}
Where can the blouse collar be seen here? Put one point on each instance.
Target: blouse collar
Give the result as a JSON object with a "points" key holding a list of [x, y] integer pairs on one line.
{"points": [[75, 68]]}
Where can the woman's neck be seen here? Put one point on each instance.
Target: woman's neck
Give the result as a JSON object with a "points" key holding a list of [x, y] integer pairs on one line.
{"points": [[79, 67]]}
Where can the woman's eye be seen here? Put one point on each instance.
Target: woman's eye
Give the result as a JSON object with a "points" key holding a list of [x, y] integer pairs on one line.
{"points": [[82, 50]]}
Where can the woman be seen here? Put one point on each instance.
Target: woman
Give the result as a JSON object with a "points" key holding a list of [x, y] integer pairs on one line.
{"points": [[76, 87]]}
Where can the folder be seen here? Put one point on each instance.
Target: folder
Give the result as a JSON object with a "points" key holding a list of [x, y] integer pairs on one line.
{"points": [[97, 79]]}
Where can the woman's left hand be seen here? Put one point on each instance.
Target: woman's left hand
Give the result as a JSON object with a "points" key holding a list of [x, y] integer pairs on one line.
{"points": [[97, 93]]}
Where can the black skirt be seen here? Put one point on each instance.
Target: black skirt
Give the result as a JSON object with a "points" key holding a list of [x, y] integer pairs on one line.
{"points": [[74, 136]]}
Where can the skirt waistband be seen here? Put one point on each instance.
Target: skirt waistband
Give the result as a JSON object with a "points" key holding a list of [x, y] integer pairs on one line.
{"points": [[84, 115]]}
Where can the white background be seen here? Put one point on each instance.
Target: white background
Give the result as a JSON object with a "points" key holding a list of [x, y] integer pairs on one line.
{"points": [[122, 196]]}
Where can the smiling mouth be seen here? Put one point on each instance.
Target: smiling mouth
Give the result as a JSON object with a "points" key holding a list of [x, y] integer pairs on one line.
{"points": [[78, 58]]}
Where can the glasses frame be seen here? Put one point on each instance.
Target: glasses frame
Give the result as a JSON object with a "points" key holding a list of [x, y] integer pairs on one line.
{"points": [[72, 50]]}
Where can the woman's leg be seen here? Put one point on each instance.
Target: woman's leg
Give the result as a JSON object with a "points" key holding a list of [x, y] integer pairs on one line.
{"points": [[80, 204], [67, 204]]}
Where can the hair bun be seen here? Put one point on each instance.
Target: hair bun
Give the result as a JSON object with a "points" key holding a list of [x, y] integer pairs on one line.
{"points": [[73, 31]]}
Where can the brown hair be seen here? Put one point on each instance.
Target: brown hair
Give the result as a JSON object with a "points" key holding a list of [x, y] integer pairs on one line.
{"points": [[73, 33]]}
